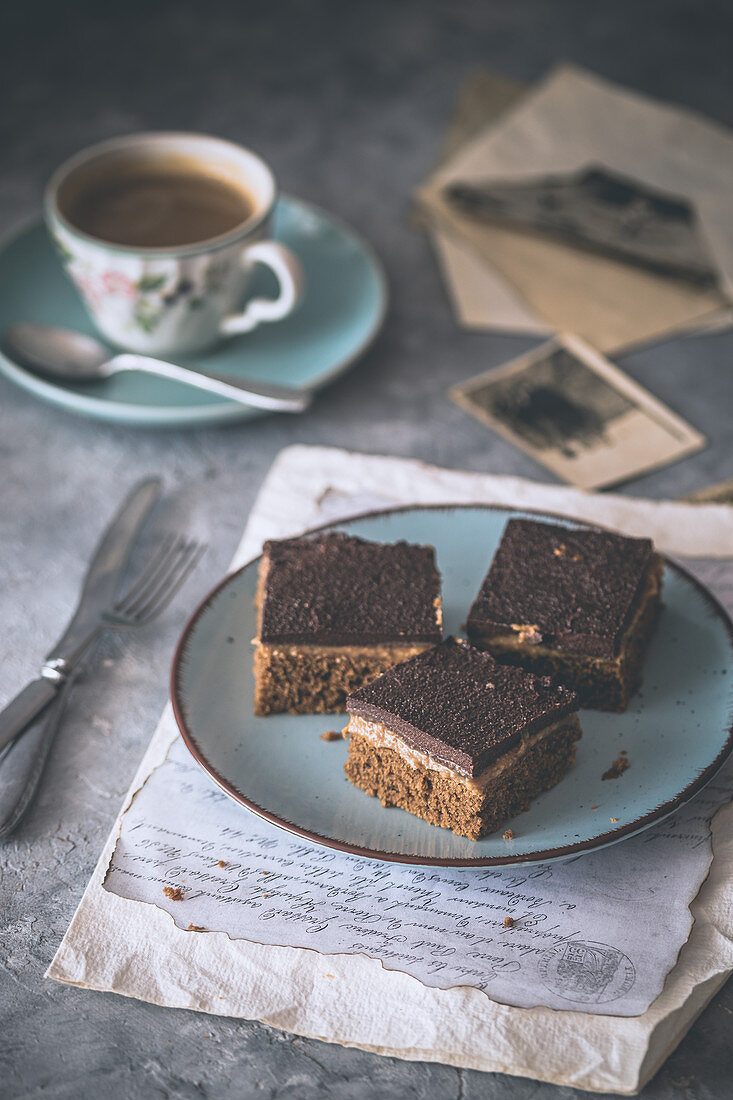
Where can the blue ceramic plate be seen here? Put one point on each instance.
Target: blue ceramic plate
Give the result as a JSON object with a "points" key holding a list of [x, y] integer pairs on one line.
{"points": [[677, 731], [343, 309]]}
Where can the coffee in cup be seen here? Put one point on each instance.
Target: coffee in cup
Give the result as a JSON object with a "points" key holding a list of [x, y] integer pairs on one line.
{"points": [[161, 203]]}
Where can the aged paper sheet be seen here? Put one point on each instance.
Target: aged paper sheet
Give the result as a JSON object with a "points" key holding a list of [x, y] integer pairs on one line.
{"points": [[603, 930], [480, 296]]}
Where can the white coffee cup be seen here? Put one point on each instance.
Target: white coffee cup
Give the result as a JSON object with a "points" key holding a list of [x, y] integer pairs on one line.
{"points": [[182, 299]]}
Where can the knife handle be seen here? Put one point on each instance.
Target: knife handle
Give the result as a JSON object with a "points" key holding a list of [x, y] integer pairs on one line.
{"points": [[22, 763], [25, 707]]}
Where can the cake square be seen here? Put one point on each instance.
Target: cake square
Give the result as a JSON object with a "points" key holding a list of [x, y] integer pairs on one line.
{"points": [[333, 612], [459, 739], [576, 604]]}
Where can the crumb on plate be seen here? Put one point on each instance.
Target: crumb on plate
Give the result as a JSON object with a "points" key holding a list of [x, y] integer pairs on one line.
{"points": [[619, 766]]}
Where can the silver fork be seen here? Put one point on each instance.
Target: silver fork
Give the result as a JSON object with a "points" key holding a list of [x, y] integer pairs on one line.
{"points": [[156, 586], [22, 762]]}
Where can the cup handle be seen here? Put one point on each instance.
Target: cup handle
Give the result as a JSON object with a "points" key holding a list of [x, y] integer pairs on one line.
{"points": [[289, 274]]}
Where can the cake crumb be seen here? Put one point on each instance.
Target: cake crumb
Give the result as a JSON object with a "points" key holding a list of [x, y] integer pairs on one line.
{"points": [[331, 735], [508, 922], [619, 766], [594, 807], [527, 632], [196, 928], [614, 819], [560, 550], [175, 893], [508, 834], [222, 863]]}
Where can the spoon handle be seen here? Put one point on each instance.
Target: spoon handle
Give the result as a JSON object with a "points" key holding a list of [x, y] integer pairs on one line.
{"points": [[259, 395]]}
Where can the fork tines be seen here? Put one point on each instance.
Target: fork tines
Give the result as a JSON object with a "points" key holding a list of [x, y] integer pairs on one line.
{"points": [[174, 561]]}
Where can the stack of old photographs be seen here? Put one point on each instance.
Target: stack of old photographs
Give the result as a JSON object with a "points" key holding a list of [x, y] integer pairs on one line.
{"points": [[577, 207]]}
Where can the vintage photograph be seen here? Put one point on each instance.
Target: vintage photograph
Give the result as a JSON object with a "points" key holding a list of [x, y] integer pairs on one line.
{"points": [[599, 210], [578, 414]]}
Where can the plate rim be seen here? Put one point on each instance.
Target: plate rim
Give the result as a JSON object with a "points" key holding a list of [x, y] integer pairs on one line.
{"points": [[541, 856], [175, 416]]}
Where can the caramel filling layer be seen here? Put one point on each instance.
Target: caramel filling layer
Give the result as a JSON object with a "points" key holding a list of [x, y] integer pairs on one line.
{"points": [[380, 737], [389, 651]]}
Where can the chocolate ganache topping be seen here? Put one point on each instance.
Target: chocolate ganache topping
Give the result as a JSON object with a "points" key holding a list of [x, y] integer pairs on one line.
{"points": [[572, 590], [460, 706], [334, 589]]}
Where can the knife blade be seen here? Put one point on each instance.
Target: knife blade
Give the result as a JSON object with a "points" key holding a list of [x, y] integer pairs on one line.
{"points": [[102, 579]]}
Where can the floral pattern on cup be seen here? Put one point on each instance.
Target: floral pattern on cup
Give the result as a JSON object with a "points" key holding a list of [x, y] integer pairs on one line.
{"points": [[141, 295]]}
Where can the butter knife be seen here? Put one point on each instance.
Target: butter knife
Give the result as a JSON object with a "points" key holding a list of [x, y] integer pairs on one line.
{"points": [[22, 762], [100, 585]]}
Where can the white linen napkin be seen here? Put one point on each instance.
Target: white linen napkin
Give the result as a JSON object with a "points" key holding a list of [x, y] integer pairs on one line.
{"points": [[135, 949]]}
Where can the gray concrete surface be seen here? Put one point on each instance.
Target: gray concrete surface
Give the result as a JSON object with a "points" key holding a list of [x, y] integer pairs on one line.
{"points": [[348, 101]]}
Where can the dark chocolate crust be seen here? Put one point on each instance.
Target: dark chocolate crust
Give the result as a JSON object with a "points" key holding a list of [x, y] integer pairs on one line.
{"points": [[334, 589], [460, 706], [604, 683], [572, 590]]}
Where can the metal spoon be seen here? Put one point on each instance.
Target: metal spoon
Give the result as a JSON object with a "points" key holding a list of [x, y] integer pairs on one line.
{"points": [[75, 357]]}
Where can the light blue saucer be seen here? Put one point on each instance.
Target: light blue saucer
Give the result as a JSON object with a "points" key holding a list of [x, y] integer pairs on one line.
{"points": [[343, 310], [677, 731]]}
